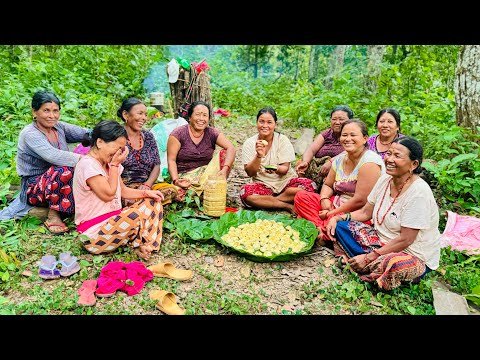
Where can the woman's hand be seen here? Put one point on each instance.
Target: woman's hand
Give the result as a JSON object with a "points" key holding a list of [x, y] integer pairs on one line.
{"points": [[223, 172], [331, 226], [144, 187], [301, 167], [323, 214], [260, 148], [120, 156], [357, 263], [183, 183], [325, 168], [154, 194]]}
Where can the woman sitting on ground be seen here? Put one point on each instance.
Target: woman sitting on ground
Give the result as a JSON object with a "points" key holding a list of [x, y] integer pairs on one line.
{"points": [[142, 165], [191, 151], [317, 159], [45, 164], [272, 187], [388, 127], [403, 245], [351, 178], [98, 190]]}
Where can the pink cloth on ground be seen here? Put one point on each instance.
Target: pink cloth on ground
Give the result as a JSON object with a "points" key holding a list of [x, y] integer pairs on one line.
{"points": [[462, 233], [80, 149], [117, 275]]}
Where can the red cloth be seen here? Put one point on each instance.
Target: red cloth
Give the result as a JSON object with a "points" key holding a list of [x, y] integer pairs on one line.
{"points": [[128, 277], [222, 112], [307, 206]]}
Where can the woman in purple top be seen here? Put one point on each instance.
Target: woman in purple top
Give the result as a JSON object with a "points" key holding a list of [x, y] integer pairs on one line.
{"points": [[314, 164], [191, 152], [388, 126]]}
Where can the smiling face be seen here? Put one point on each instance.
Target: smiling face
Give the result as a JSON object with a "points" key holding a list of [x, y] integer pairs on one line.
{"points": [[397, 161], [106, 150], [337, 119], [352, 138], [266, 125], [387, 126], [199, 118], [136, 117], [48, 115]]}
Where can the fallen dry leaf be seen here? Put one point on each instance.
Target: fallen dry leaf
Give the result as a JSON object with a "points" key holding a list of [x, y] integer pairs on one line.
{"points": [[329, 262], [219, 261], [27, 273]]}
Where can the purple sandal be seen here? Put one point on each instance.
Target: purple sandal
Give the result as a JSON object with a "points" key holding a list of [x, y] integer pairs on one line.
{"points": [[69, 264], [48, 268]]}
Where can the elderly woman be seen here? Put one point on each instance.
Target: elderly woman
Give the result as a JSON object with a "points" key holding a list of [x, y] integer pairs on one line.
{"points": [[316, 160], [191, 151], [266, 158], [98, 189], [352, 176], [403, 244], [45, 164], [388, 127]]}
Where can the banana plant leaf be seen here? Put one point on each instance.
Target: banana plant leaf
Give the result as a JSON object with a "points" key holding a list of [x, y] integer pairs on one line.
{"points": [[308, 232]]}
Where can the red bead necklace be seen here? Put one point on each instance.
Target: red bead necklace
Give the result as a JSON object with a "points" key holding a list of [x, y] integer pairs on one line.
{"points": [[135, 152], [380, 222], [195, 136]]}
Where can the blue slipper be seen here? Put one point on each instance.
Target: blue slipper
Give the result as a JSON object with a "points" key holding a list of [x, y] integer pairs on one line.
{"points": [[69, 264], [48, 268]]}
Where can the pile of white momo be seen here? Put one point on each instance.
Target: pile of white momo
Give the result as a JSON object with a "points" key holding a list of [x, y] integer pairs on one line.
{"points": [[264, 238]]}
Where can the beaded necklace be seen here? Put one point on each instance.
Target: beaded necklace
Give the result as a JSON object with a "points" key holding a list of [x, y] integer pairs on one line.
{"points": [[135, 152], [195, 136], [380, 222], [386, 144]]}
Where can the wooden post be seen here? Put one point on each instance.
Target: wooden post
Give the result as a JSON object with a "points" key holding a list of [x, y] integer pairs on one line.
{"points": [[200, 89]]}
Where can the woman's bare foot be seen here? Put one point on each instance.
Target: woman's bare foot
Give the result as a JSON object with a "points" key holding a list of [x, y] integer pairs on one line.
{"points": [[319, 240], [143, 251], [54, 223], [291, 209]]}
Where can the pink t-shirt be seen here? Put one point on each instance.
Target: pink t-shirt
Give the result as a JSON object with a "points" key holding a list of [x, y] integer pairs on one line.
{"points": [[87, 204]]}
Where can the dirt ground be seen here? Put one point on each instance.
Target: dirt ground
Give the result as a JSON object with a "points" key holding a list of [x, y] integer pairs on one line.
{"points": [[280, 283]]}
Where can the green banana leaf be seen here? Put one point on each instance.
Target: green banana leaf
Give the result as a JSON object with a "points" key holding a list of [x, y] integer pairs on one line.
{"points": [[308, 232]]}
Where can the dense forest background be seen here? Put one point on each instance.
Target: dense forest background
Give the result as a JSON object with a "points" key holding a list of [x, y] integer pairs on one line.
{"points": [[302, 82]]}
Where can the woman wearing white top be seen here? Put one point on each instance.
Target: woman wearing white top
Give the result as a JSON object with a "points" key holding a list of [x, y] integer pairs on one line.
{"points": [[403, 244]]}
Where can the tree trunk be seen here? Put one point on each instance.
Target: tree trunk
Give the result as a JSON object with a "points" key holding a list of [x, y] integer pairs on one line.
{"points": [[375, 56], [335, 64], [191, 86], [313, 63], [467, 87]]}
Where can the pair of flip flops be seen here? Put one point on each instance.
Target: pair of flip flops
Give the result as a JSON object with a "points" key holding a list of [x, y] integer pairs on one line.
{"points": [[168, 270], [166, 302], [49, 270]]}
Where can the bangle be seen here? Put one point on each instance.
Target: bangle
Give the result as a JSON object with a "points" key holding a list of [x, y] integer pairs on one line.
{"points": [[367, 261], [260, 157], [229, 167], [348, 217], [147, 185], [174, 181], [376, 252], [113, 165]]}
